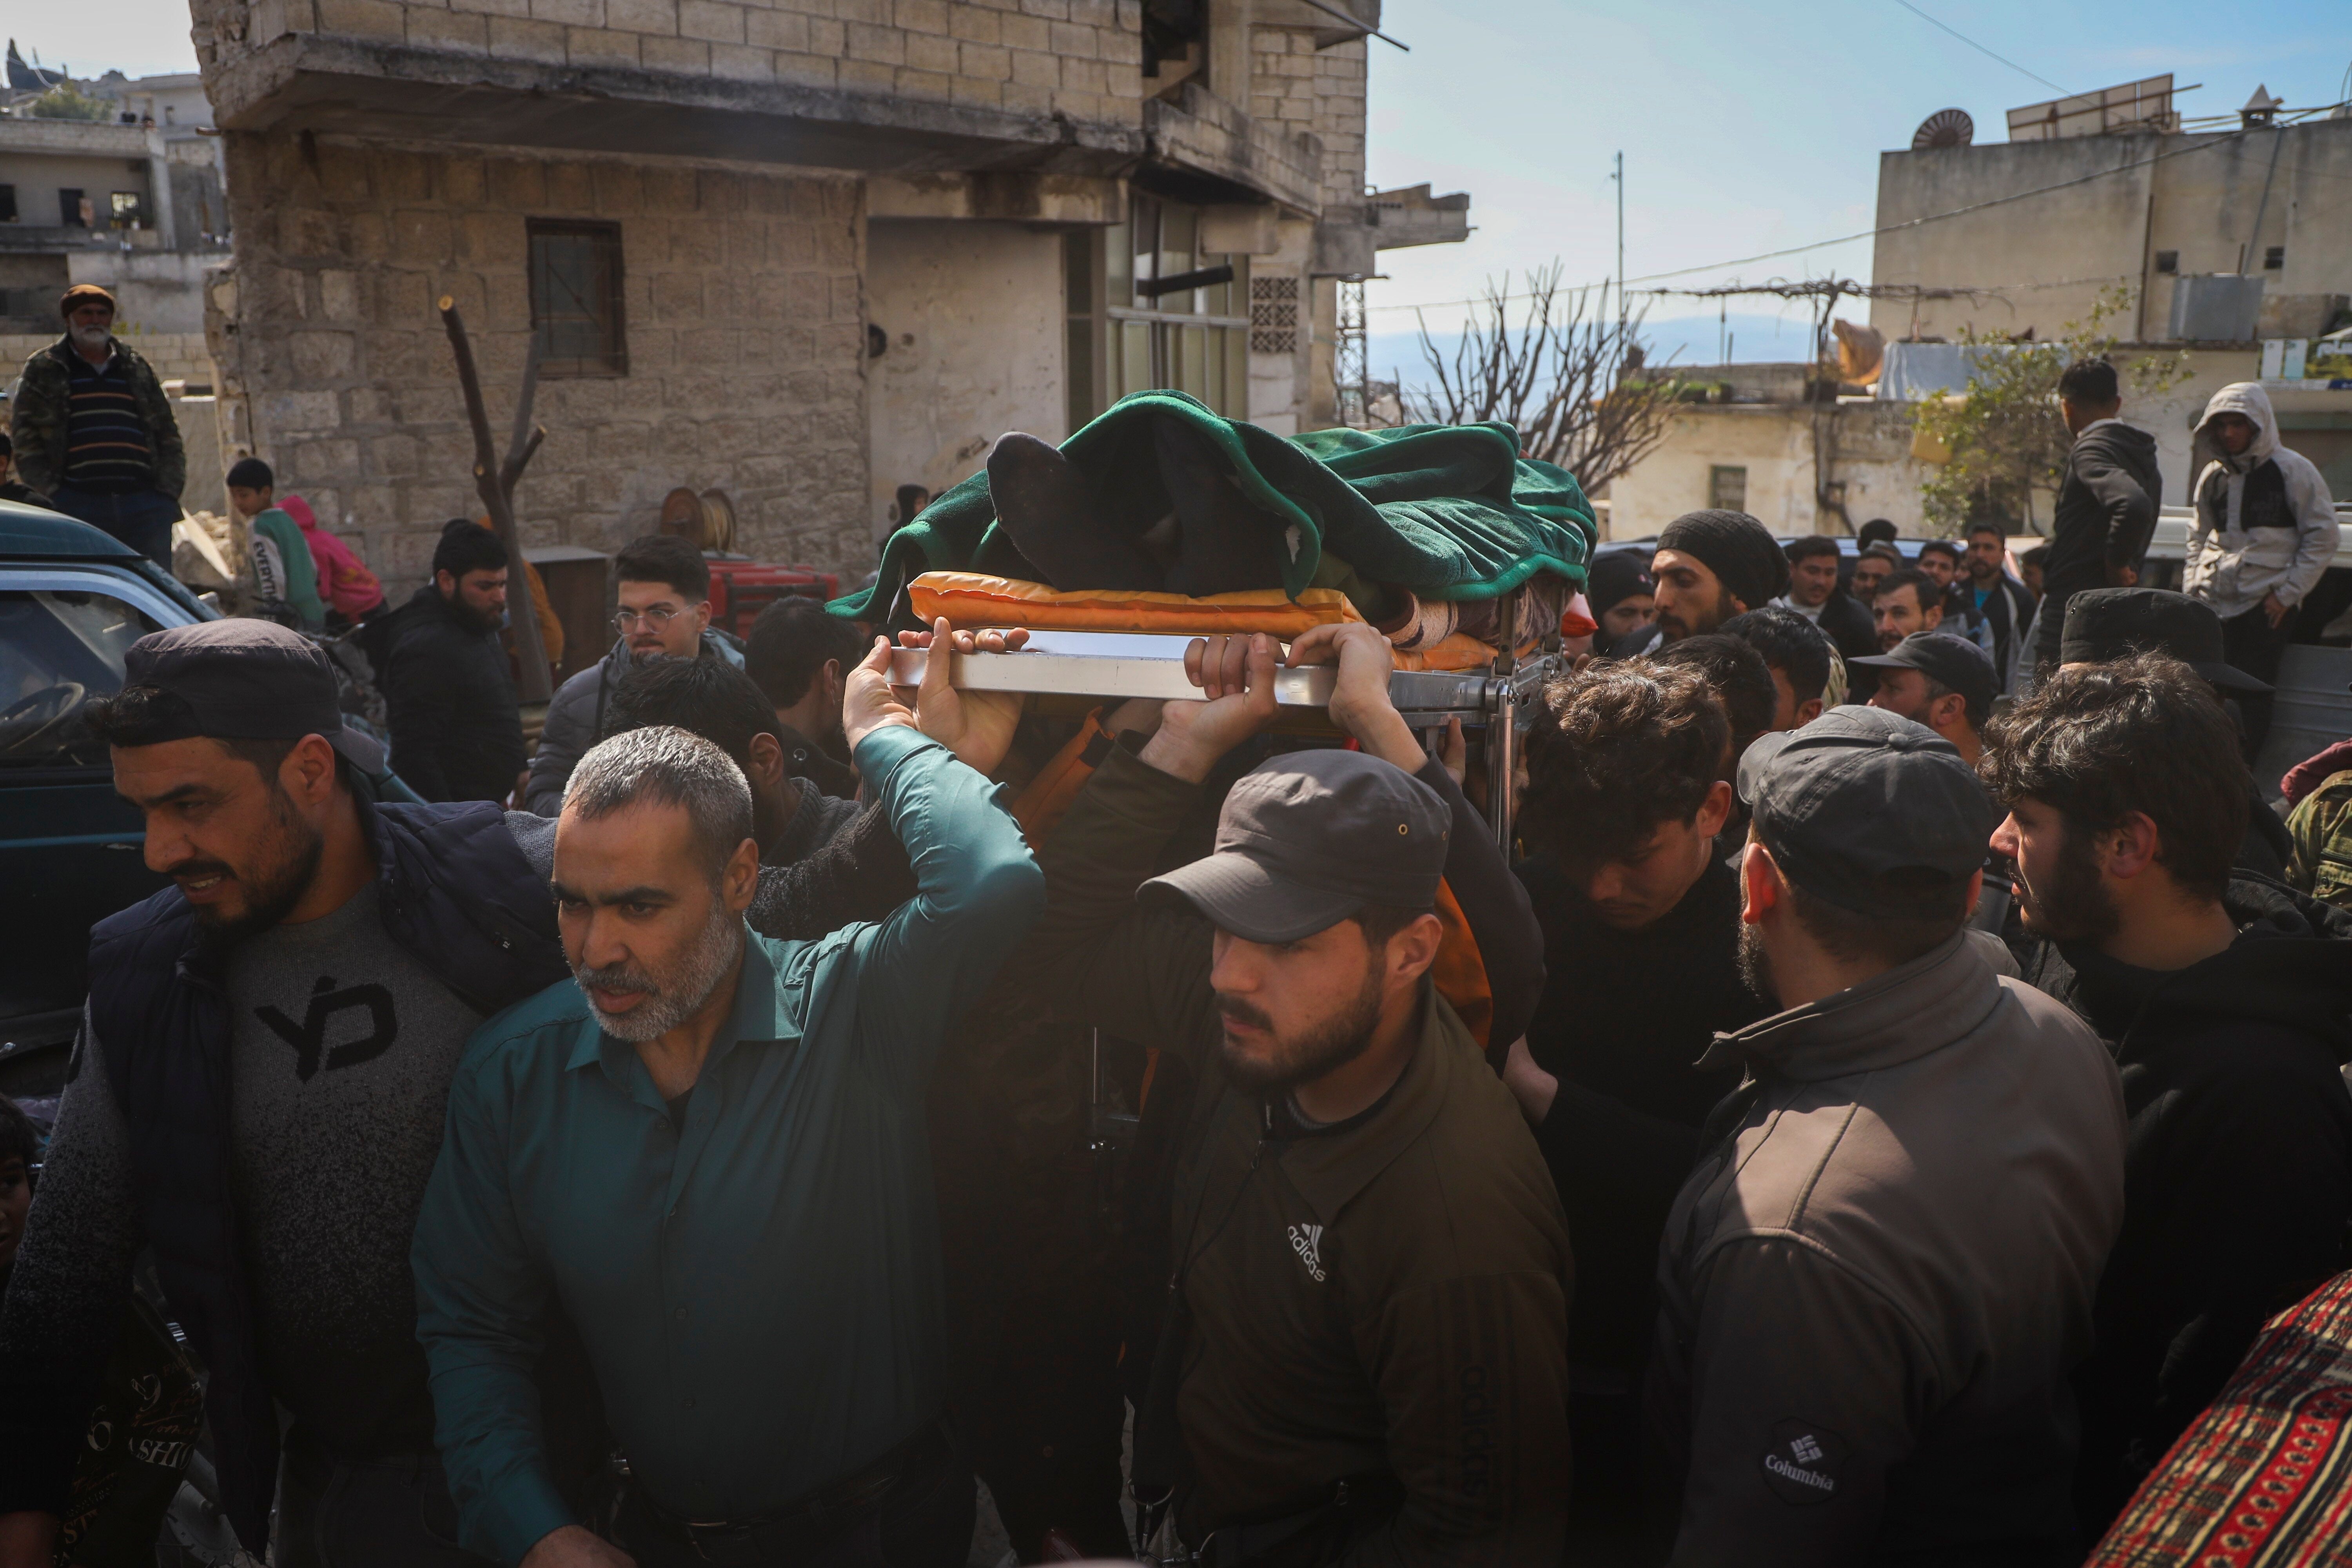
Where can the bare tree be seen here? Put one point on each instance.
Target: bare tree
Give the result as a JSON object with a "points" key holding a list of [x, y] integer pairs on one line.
{"points": [[1555, 376]]}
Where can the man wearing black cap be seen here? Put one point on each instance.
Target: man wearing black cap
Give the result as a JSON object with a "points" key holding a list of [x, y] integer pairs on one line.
{"points": [[1709, 566], [1877, 1278], [2103, 625], [258, 1097], [94, 433], [2224, 999], [1940, 681], [1364, 1353], [1936, 679]]}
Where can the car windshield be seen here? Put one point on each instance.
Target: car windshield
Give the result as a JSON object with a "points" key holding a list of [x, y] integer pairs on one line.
{"points": [[59, 649]]}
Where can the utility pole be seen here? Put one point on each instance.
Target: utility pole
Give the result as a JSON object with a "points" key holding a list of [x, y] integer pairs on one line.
{"points": [[1620, 177]]}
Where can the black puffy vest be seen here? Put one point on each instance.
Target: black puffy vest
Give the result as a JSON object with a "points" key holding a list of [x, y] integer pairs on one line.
{"points": [[457, 892]]}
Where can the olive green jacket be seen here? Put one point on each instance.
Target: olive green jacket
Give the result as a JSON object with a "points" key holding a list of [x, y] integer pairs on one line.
{"points": [[2322, 830], [1389, 1294], [37, 420]]}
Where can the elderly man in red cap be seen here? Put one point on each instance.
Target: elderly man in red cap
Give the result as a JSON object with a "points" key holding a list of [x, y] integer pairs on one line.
{"points": [[94, 434]]}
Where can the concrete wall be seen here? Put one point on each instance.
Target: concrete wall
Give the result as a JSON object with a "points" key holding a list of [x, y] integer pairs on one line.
{"points": [[1774, 442], [745, 344], [2042, 261], [1319, 92], [160, 291], [973, 313]]}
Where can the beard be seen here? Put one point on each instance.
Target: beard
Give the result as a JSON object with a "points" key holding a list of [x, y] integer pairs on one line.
{"points": [[288, 862], [1756, 964], [674, 994], [2071, 903], [91, 337], [1676, 627], [1327, 1047]]}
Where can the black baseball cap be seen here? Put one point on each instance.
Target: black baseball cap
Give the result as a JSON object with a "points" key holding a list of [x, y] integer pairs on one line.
{"points": [[1949, 662], [1866, 810], [247, 681], [1307, 839], [2115, 623]]}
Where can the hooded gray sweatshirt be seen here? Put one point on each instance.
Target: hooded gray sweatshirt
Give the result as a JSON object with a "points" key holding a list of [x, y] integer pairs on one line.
{"points": [[2265, 524]]}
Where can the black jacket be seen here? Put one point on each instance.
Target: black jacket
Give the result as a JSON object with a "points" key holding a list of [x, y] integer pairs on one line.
{"points": [[458, 894], [2104, 516], [2237, 1172], [457, 728], [1847, 622], [1624, 1018]]}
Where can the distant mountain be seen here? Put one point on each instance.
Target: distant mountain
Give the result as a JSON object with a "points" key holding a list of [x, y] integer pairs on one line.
{"points": [[1754, 339]]}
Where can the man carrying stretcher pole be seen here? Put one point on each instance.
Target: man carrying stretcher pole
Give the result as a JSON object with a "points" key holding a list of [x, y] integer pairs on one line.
{"points": [[1364, 1356]]}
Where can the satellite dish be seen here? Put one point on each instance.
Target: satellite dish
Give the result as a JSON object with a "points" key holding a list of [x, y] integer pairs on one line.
{"points": [[1945, 128]]}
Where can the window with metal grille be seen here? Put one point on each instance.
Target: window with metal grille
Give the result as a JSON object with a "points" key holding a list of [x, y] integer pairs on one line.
{"points": [[576, 298], [1274, 315]]}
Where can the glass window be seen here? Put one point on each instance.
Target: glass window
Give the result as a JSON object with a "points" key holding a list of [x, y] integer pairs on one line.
{"points": [[1194, 339], [59, 649], [1726, 488], [576, 298]]}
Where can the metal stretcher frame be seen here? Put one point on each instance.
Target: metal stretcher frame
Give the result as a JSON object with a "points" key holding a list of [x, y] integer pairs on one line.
{"points": [[1120, 664]]}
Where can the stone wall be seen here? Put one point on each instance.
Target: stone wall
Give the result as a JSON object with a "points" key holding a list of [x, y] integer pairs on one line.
{"points": [[1320, 93], [745, 343], [1078, 59]]}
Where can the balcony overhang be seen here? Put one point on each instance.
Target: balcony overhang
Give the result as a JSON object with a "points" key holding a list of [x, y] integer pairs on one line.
{"points": [[1202, 149], [354, 87]]}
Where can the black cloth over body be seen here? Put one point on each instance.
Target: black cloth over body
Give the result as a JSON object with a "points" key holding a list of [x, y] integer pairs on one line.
{"points": [[2104, 516], [457, 730], [2237, 1168], [458, 893]]}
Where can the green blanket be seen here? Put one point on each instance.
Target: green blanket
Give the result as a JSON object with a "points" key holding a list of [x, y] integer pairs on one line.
{"points": [[1450, 512]]}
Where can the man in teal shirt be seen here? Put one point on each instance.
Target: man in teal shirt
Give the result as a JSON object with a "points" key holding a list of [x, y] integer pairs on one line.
{"points": [[710, 1148]]}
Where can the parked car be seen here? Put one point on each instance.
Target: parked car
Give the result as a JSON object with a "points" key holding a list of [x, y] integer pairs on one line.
{"points": [[72, 601]]}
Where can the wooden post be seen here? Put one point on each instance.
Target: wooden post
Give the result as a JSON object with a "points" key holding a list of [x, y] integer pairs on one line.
{"points": [[496, 483]]}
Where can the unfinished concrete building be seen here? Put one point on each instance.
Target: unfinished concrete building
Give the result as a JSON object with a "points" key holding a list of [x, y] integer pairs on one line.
{"points": [[806, 251]]}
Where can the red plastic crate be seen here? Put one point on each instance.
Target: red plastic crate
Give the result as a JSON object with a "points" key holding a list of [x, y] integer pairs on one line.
{"points": [[739, 590]]}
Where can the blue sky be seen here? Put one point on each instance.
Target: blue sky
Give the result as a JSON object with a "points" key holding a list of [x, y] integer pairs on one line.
{"points": [[1748, 128], [1745, 128]]}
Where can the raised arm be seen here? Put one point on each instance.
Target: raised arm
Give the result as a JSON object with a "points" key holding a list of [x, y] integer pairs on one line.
{"points": [[1143, 973], [977, 892]]}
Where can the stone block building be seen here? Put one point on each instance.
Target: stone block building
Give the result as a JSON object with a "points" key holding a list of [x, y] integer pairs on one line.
{"points": [[805, 251]]}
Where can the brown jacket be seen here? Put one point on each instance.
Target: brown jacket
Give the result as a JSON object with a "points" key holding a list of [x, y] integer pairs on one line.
{"points": [[1388, 1295], [1874, 1283]]}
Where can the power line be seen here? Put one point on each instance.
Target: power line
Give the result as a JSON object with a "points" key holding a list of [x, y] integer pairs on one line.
{"points": [[1980, 48], [1884, 228]]}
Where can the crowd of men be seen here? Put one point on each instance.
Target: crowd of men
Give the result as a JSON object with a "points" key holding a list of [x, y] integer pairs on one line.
{"points": [[1855, 1131]]}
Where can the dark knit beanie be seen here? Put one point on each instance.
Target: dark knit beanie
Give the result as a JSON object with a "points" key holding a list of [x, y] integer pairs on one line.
{"points": [[1740, 552], [1616, 577]]}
